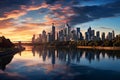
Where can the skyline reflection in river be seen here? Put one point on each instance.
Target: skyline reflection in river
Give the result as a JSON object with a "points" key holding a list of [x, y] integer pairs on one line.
{"points": [[40, 63]]}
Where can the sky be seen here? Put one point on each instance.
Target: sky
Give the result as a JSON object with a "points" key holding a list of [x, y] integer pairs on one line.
{"points": [[20, 19]]}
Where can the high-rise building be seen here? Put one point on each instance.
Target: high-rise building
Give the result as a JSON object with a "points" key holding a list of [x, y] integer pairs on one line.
{"points": [[65, 32], [33, 39], [57, 36], [98, 35], [40, 38], [53, 32], [81, 36], [103, 36], [78, 33], [113, 34], [69, 28], [49, 38], [69, 31], [74, 35], [89, 29], [86, 35], [44, 36], [61, 35], [109, 36], [92, 34], [89, 33]]}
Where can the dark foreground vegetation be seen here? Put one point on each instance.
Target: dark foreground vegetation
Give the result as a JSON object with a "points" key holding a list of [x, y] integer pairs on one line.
{"points": [[5, 43]]}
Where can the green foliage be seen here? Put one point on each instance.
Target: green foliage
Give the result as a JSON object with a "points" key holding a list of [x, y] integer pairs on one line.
{"points": [[117, 43], [114, 42], [5, 43]]}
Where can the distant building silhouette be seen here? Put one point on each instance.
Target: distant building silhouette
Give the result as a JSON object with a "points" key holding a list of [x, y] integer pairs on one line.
{"points": [[103, 36], [92, 34], [53, 32], [68, 34], [113, 34], [33, 39], [44, 36], [109, 36], [98, 35], [49, 38], [78, 33]]}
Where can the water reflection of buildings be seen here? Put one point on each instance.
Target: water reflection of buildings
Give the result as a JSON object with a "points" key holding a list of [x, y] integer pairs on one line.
{"points": [[73, 55]]}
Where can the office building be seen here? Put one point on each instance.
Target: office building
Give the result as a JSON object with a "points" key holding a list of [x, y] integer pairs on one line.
{"points": [[44, 36], [98, 35], [103, 36], [78, 33], [33, 39], [53, 32], [113, 34]]}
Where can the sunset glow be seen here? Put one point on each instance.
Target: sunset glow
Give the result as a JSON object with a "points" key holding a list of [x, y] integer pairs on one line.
{"points": [[20, 19]]}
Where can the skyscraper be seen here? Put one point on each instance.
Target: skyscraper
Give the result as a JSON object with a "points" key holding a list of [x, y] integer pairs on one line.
{"points": [[40, 38], [86, 35], [49, 38], [113, 34], [89, 33], [61, 35], [44, 36], [92, 34], [109, 36], [103, 36], [69, 31], [53, 32], [81, 36], [78, 33], [33, 39], [98, 35], [69, 28], [74, 35]]}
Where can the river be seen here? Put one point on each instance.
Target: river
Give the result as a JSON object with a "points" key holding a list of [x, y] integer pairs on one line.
{"points": [[41, 63]]}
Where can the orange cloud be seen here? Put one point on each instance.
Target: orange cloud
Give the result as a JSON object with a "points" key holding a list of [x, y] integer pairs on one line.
{"points": [[34, 7], [55, 7], [25, 30], [6, 23], [34, 24], [13, 14], [60, 17]]}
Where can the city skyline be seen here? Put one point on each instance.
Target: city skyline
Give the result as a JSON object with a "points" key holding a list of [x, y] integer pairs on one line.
{"points": [[69, 34], [20, 19]]}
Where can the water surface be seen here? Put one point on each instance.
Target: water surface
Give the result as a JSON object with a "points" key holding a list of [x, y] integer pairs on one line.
{"points": [[41, 63]]}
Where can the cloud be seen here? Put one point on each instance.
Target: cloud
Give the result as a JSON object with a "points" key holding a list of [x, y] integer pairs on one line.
{"points": [[9, 3], [13, 14], [55, 7], [94, 12], [23, 9], [33, 24], [106, 28], [6, 23], [34, 7], [50, 11]]}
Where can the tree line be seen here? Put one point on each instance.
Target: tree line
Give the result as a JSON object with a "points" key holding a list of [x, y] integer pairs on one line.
{"points": [[107, 43]]}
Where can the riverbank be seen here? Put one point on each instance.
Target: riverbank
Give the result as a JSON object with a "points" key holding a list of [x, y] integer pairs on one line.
{"points": [[98, 47], [87, 47], [81, 47]]}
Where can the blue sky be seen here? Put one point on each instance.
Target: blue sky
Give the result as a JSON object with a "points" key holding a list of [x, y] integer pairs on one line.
{"points": [[23, 18], [103, 25]]}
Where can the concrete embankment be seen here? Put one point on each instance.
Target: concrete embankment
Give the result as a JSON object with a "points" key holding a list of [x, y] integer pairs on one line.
{"points": [[99, 47]]}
